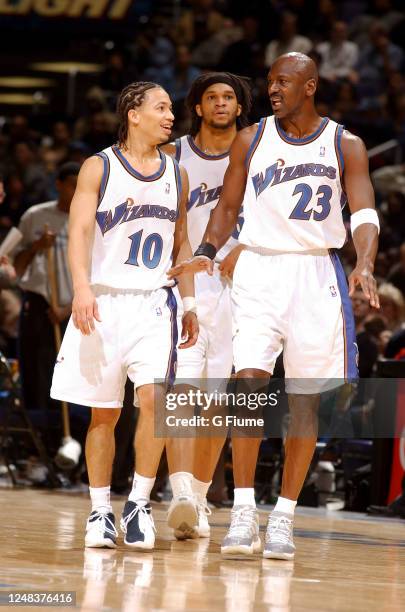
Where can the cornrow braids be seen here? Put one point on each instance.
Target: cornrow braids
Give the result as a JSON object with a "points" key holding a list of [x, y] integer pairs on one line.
{"points": [[131, 97], [240, 85]]}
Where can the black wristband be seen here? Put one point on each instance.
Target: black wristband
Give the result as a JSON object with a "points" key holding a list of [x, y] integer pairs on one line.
{"points": [[207, 249]]}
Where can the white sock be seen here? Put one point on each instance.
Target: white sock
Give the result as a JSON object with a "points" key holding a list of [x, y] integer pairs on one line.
{"points": [[100, 499], [141, 488], [285, 505], [181, 482], [200, 488], [244, 497]]}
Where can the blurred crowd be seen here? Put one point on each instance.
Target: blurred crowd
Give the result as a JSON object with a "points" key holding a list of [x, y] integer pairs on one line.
{"points": [[359, 47]]}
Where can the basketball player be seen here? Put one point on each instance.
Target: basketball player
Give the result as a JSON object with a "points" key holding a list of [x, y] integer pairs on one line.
{"points": [[293, 171], [129, 211], [219, 104]]}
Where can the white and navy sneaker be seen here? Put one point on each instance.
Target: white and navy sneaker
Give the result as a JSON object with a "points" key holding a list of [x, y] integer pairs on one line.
{"points": [[138, 526], [279, 542], [242, 538], [100, 530]]}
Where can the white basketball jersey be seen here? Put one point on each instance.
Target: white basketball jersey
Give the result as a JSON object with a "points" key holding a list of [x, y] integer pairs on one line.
{"points": [[294, 196], [206, 178], [135, 223]]}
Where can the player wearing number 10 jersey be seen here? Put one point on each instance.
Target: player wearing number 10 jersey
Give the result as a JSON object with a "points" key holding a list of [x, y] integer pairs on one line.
{"points": [[129, 210]]}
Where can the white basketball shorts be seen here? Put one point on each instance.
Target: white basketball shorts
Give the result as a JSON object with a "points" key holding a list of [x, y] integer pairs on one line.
{"points": [[211, 357], [298, 302], [137, 337]]}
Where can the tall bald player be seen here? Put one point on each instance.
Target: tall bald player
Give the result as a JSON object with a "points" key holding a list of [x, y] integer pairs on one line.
{"points": [[219, 104], [293, 172], [128, 220]]}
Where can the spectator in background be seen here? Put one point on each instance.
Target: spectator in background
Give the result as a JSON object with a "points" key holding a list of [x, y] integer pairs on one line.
{"points": [[29, 169], [98, 125], [116, 74], [338, 55], [391, 306], [198, 23], [393, 219], [241, 56], [208, 53], [378, 60], [288, 40], [175, 78], [366, 343], [396, 275], [43, 226], [58, 141]]}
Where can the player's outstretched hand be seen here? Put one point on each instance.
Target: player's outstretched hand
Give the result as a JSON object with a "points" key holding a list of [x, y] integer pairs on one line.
{"points": [[85, 310], [190, 329], [200, 263], [362, 275]]}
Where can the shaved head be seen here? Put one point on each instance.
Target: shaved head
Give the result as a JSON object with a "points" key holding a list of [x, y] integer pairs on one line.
{"points": [[298, 63]]}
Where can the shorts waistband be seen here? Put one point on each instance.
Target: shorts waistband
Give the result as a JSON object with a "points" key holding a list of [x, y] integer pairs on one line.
{"points": [[264, 251], [105, 289]]}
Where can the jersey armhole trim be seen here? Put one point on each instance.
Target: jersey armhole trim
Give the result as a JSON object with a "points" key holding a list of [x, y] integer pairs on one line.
{"points": [[341, 161], [255, 142], [105, 177], [179, 184], [177, 144], [338, 148]]}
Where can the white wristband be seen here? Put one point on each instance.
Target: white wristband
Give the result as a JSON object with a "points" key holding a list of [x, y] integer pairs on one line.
{"points": [[189, 304], [364, 215]]}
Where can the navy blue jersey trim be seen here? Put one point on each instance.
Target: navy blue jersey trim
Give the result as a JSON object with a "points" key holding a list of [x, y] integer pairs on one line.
{"points": [[301, 141], [338, 148], [105, 177], [255, 142], [200, 153], [177, 144], [172, 362], [349, 330], [179, 184], [152, 177], [341, 161]]}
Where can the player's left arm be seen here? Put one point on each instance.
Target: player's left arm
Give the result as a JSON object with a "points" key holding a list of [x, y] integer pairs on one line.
{"points": [[182, 252], [364, 220]]}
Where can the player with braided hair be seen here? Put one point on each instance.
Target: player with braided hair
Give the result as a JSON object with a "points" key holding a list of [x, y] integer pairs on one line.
{"points": [[129, 212]]}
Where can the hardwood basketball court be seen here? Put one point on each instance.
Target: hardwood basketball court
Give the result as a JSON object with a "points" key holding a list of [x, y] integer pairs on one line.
{"points": [[345, 562]]}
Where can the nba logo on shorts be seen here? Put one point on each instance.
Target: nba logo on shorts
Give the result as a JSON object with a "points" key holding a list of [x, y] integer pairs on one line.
{"points": [[322, 151], [167, 190], [332, 290], [158, 312]]}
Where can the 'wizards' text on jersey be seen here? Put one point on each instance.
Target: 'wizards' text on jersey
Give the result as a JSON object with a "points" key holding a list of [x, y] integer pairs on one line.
{"points": [[294, 194]]}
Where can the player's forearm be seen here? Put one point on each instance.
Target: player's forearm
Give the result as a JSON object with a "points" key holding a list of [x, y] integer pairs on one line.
{"points": [[221, 225], [365, 239], [185, 281], [79, 256]]}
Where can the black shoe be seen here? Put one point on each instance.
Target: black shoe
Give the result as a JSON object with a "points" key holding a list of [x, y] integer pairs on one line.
{"points": [[138, 526]]}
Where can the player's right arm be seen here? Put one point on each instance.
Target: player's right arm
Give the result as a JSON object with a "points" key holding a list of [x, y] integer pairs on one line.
{"points": [[81, 230], [224, 216]]}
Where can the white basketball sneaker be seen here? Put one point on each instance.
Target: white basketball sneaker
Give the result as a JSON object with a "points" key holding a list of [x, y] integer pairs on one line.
{"points": [[202, 528], [100, 530]]}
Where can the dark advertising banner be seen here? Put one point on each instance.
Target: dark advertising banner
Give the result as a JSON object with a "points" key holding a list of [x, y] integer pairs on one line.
{"points": [[88, 15]]}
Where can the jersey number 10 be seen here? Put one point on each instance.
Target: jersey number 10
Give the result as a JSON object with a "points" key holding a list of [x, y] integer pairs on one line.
{"points": [[151, 250]]}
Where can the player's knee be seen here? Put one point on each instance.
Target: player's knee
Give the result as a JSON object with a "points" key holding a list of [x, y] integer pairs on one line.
{"points": [[107, 417]]}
